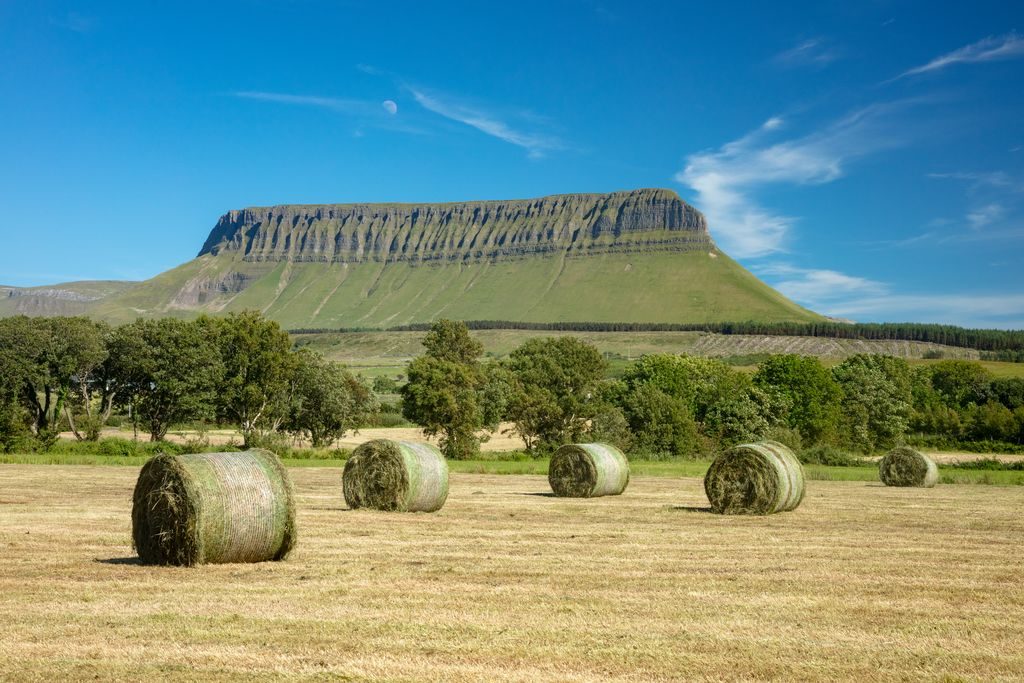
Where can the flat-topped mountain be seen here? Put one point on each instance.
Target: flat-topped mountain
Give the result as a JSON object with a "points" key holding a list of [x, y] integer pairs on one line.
{"points": [[637, 256], [573, 224]]}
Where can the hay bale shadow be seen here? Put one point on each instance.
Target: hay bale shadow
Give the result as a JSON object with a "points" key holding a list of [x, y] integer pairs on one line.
{"points": [[692, 508], [120, 560], [547, 494]]}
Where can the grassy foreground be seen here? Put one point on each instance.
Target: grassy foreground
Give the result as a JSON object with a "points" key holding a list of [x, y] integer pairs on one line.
{"points": [[506, 583], [642, 468]]}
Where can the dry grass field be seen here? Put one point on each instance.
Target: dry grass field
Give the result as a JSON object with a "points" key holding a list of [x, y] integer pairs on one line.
{"points": [[505, 583]]}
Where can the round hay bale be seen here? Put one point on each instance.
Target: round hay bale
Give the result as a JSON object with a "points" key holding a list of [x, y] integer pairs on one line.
{"points": [[903, 466], [586, 470], [755, 479], [396, 476], [213, 508]]}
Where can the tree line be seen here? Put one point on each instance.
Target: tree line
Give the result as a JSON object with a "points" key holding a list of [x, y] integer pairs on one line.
{"points": [[242, 370], [73, 373], [556, 390], [947, 335]]}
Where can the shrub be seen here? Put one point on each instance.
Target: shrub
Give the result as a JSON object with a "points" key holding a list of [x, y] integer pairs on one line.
{"points": [[384, 385], [387, 419], [272, 441], [828, 455], [609, 425], [662, 424], [786, 436]]}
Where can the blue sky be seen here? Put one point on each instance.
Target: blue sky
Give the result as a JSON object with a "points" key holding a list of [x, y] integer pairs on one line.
{"points": [[866, 158]]}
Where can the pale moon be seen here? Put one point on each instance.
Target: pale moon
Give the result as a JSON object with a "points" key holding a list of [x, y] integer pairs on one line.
{"points": [[389, 106]]}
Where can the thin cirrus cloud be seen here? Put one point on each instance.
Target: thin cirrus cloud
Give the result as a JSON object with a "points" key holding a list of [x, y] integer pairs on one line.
{"points": [[998, 179], [847, 296], [813, 52], [382, 115], [985, 215], [819, 287], [727, 180], [536, 145], [994, 196], [990, 49], [969, 310], [339, 104]]}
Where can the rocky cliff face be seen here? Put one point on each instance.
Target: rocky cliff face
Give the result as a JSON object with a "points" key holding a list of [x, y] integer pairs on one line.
{"points": [[575, 224]]}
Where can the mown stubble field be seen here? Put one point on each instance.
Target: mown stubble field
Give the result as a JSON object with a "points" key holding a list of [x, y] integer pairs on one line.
{"points": [[505, 583]]}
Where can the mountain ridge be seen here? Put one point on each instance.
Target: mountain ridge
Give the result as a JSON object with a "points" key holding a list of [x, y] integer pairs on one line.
{"points": [[645, 219]]}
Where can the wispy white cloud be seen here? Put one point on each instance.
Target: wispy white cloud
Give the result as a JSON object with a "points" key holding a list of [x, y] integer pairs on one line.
{"points": [[998, 179], [847, 296], [815, 52], [334, 103], [994, 197], [818, 287], [990, 49], [536, 144], [985, 215], [361, 113], [726, 179], [950, 238], [969, 310]]}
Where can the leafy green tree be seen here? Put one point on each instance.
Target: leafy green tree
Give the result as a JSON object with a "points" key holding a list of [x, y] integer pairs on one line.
{"points": [[258, 364], [961, 383], [13, 418], [178, 373], [991, 421], [495, 395], [661, 424], [443, 398], [553, 397], [14, 431], [609, 425], [449, 340], [384, 385], [123, 375], [876, 404], [446, 389], [937, 418], [723, 401], [85, 350], [807, 389], [52, 361], [733, 418], [1009, 391], [680, 376], [14, 371], [326, 400]]}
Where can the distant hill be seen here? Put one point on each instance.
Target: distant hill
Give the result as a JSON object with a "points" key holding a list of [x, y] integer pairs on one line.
{"points": [[638, 256], [68, 298]]}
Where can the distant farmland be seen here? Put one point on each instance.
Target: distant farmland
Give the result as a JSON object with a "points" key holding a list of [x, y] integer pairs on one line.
{"points": [[388, 352]]}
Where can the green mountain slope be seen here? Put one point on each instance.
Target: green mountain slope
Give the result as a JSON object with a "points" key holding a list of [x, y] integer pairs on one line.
{"points": [[640, 256]]}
